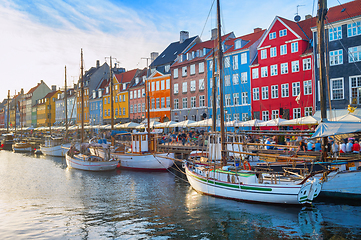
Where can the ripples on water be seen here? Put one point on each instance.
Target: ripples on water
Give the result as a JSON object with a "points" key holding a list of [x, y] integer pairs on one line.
{"points": [[42, 199]]}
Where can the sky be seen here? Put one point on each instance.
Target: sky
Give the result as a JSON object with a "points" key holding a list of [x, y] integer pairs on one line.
{"points": [[40, 37]]}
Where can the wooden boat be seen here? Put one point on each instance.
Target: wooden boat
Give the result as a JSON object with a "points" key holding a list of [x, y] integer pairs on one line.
{"points": [[22, 147], [54, 146], [7, 141]]}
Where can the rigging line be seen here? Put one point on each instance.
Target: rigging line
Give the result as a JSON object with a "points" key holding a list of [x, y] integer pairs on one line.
{"points": [[209, 13], [343, 46], [345, 11], [313, 7]]}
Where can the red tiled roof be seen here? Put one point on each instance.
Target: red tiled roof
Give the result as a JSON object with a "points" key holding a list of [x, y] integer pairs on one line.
{"points": [[50, 94], [126, 76], [33, 89], [251, 38], [352, 9], [303, 28]]}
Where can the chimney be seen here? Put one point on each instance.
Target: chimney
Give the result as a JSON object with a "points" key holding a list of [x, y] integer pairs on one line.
{"points": [[53, 87], [22, 91], [257, 30], [153, 56], [98, 64], [308, 16], [41, 81], [184, 35], [214, 34]]}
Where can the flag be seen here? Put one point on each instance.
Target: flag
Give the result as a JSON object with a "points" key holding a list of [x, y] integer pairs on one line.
{"points": [[298, 98]]}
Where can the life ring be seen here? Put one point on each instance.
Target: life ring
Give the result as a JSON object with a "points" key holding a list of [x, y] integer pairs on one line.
{"points": [[246, 165]]}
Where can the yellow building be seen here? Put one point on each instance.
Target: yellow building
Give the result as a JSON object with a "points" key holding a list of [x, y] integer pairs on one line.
{"points": [[46, 109], [86, 105]]}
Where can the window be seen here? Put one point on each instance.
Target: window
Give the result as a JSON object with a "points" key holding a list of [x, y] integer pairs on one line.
{"points": [[244, 117], [255, 94], [274, 70], [228, 99], [201, 84], [143, 93], [244, 98], [227, 80], [120, 111], [265, 115], [306, 64], [283, 32], [124, 113], [157, 102], [131, 108], [167, 102], [131, 95], [335, 33], [295, 66], [201, 67], [135, 108], [193, 102], [272, 35], [264, 54], [193, 69], [284, 90], [162, 85], [237, 44], [308, 111], [162, 102], [273, 52], [153, 86], [235, 62], [353, 29], [264, 72], [355, 89], [228, 117], [167, 84], [175, 88], [243, 58], [157, 86], [123, 97], [283, 49], [193, 85], [143, 107], [153, 103], [184, 71], [307, 87], [135, 94], [184, 88], [175, 73], [227, 63], [354, 54], [255, 73], [336, 57], [202, 101], [294, 47], [139, 108], [275, 114], [244, 77], [235, 79], [296, 89], [236, 98], [296, 113], [264, 92], [210, 65], [139, 96], [185, 102], [236, 117], [284, 68], [176, 104], [274, 91], [337, 89]]}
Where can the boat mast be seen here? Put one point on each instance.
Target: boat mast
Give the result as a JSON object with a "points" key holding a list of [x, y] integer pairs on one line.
{"points": [[15, 110], [82, 96], [112, 100], [214, 94], [321, 15], [66, 106], [148, 106], [8, 115], [220, 69]]}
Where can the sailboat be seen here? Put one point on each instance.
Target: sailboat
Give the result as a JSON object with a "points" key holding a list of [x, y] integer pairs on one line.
{"points": [[142, 156], [83, 159], [216, 177], [55, 146]]}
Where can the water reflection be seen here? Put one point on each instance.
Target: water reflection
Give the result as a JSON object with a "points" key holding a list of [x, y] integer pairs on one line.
{"points": [[42, 198]]}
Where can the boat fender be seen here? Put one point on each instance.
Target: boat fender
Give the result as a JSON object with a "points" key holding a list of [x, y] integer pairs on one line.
{"points": [[246, 165], [118, 165]]}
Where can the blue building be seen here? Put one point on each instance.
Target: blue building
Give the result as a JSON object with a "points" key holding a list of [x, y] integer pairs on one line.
{"points": [[343, 32], [238, 54]]}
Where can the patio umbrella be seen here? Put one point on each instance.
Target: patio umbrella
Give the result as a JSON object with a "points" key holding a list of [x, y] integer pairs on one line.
{"points": [[165, 124], [308, 120], [251, 123], [129, 125], [272, 122], [204, 123], [182, 124]]}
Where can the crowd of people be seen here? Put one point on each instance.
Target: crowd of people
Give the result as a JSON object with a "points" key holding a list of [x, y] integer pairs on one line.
{"points": [[184, 138]]}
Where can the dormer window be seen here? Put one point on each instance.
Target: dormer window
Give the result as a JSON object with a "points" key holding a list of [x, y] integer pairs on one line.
{"points": [[198, 53], [124, 86], [283, 32], [193, 56], [100, 92], [237, 44], [272, 35], [107, 90], [94, 94], [189, 56], [166, 68], [204, 51], [136, 80], [143, 78]]}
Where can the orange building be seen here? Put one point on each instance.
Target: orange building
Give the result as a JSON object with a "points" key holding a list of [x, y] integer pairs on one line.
{"points": [[159, 96]]}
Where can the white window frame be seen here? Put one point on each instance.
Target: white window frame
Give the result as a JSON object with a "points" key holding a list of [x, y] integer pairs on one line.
{"points": [[332, 88], [272, 35], [274, 91], [295, 66], [285, 90], [201, 67], [294, 47], [175, 73], [283, 49], [202, 101], [243, 58], [306, 64], [296, 88], [235, 79], [255, 94], [354, 29], [201, 84], [335, 33], [193, 85], [235, 99], [354, 54], [284, 68], [192, 69], [283, 32], [227, 62], [264, 72], [296, 113], [265, 94], [175, 88], [184, 87], [265, 116], [255, 73], [273, 52], [244, 99], [184, 71], [307, 87], [275, 114], [274, 70], [244, 77], [336, 57], [235, 62], [263, 53], [227, 80]]}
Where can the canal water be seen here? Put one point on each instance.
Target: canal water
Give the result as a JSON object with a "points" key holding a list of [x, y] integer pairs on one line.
{"points": [[40, 198]]}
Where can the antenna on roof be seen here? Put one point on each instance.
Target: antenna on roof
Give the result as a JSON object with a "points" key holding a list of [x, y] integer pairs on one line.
{"points": [[297, 17]]}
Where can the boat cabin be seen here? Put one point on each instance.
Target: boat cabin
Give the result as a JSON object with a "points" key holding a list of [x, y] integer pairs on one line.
{"points": [[215, 146], [140, 142]]}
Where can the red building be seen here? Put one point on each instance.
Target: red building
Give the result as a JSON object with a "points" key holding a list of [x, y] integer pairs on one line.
{"points": [[138, 100], [282, 79]]}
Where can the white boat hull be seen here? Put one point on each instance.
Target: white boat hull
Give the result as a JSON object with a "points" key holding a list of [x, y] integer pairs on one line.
{"points": [[145, 162], [83, 162], [255, 192], [55, 151], [344, 184]]}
